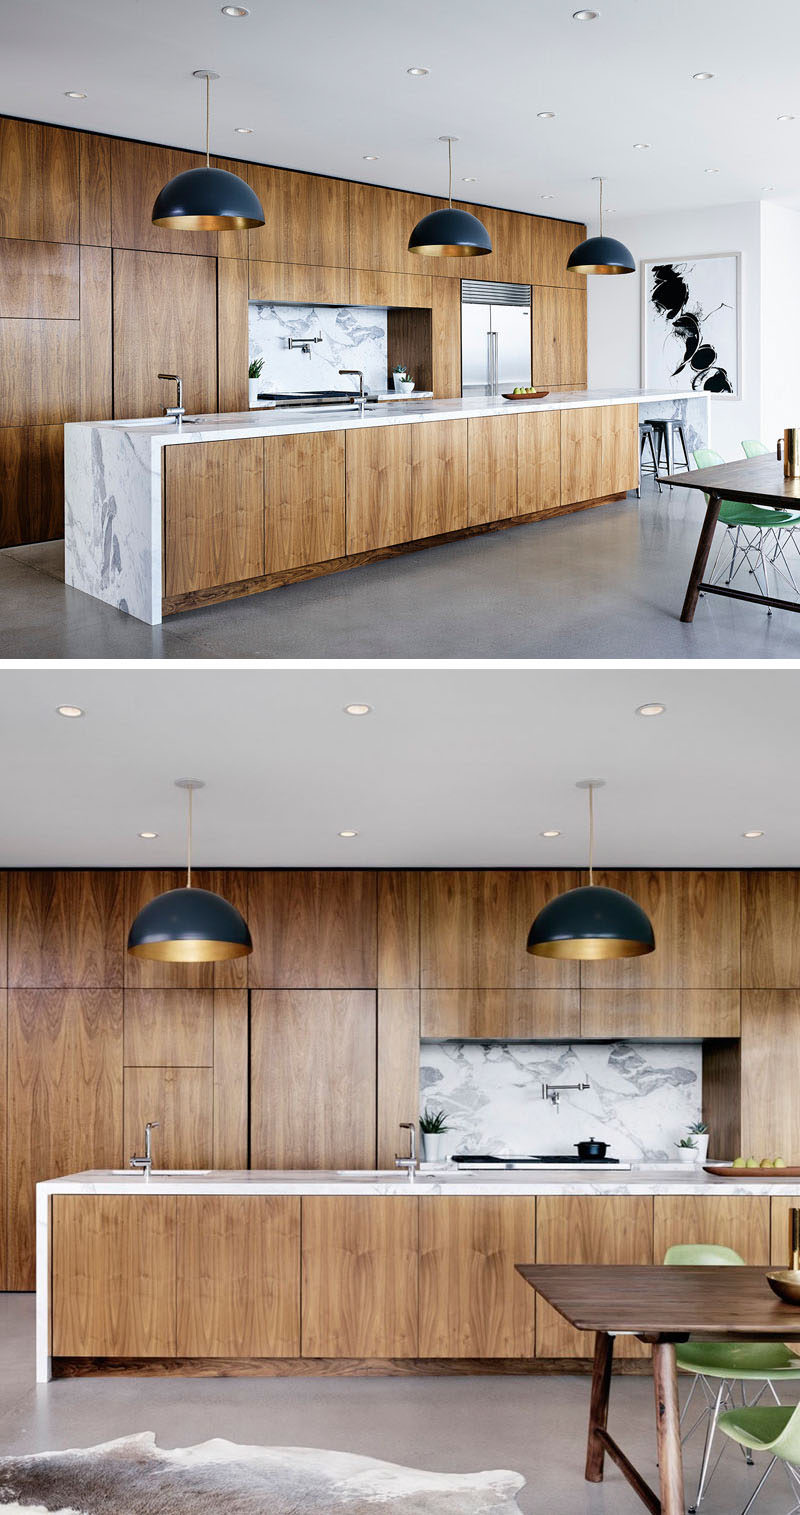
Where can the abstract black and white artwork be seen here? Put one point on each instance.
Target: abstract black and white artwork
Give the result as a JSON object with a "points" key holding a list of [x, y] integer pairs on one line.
{"points": [[691, 324]]}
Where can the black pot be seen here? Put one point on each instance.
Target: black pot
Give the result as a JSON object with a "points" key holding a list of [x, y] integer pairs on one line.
{"points": [[592, 1148]]}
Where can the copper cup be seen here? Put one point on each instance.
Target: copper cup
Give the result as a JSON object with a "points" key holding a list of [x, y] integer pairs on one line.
{"points": [[791, 453]]}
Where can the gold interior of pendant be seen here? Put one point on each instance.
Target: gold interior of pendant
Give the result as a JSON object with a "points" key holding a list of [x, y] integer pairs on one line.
{"points": [[592, 948], [449, 250], [190, 951], [599, 268], [207, 223]]}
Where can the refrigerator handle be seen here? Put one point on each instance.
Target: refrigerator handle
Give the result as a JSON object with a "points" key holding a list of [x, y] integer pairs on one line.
{"points": [[489, 371], [495, 364]]}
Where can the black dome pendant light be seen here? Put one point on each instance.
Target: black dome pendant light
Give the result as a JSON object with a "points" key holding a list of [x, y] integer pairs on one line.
{"points": [[591, 923], [189, 925], [207, 199], [450, 233], [601, 255]]}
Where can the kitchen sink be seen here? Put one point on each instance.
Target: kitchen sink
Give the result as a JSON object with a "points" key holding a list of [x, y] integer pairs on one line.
{"points": [[162, 1172], [380, 1175]]}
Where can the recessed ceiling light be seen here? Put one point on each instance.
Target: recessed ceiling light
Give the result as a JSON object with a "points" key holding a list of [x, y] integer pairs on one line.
{"points": [[469, 179], [765, 188], [244, 131], [549, 833], [786, 118], [235, 10], [653, 709], [546, 115], [751, 835], [547, 197], [585, 15], [75, 94], [641, 145], [417, 73], [357, 709], [70, 711], [370, 157], [702, 76], [148, 836], [348, 833], [712, 170]]}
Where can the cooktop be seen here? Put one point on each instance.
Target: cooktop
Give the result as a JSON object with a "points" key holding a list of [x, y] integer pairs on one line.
{"points": [[473, 1159]]}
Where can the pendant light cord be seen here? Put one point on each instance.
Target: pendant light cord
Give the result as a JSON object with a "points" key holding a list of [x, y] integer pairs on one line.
{"points": [[601, 207], [450, 171], [591, 833], [189, 844], [208, 164]]}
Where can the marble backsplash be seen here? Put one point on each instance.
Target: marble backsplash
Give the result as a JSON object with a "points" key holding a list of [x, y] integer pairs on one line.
{"points": [[641, 1098], [352, 337]]}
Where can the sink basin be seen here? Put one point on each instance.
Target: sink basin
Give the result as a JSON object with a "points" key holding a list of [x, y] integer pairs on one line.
{"points": [[380, 1175], [162, 1172]]}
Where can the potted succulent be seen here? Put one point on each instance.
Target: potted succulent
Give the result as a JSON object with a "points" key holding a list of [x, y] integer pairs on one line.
{"points": [[699, 1131], [687, 1149], [254, 377], [434, 1128], [402, 379]]}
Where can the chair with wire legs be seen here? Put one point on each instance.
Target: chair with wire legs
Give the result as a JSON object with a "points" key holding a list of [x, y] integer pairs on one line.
{"points": [[718, 1367], [752, 448], [768, 1428], [748, 536], [647, 443]]}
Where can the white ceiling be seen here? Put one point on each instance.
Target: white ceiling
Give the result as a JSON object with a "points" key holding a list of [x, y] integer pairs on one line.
{"points": [[453, 767], [324, 81]]}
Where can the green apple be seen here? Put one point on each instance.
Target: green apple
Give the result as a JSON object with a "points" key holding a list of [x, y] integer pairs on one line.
{"points": [[738, 1162], [766, 1162], [780, 1162], [752, 1162]]}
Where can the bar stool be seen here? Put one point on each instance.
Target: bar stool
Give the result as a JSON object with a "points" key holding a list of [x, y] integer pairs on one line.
{"points": [[647, 439], [666, 432]]}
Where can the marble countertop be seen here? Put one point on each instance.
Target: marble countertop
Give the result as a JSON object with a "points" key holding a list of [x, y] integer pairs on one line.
{"points": [[639, 1179], [289, 422]]}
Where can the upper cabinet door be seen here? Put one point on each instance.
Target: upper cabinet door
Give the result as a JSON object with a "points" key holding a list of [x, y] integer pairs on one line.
{"points": [[551, 244], [313, 930], [306, 217], [139, 170], [39, 183], [65, 930], [474, 927], [165, 321], [381, 222], [695, 918], [771, 944]]}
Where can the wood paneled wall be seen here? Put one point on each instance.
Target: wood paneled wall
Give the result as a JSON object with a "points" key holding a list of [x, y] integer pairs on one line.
{"points": [[308, 1051], [80, 260]]}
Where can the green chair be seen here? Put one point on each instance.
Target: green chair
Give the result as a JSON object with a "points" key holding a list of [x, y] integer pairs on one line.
{"points": [[748, 529], [724, 1363], [752, 448], [768, 1428]]}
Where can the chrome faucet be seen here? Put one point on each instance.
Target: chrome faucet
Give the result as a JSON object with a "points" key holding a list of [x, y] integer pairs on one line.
{"points": [[146, 1162], [362, 399], [409, 1163], [553, 1092], [177, 411]]}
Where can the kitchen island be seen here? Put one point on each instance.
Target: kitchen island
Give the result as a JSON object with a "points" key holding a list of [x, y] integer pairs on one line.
{"points": [[297, 1272], [163, 517]]}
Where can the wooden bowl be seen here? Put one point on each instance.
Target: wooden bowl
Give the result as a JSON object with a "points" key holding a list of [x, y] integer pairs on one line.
{"points": [[785, 1282], [537, 394]]}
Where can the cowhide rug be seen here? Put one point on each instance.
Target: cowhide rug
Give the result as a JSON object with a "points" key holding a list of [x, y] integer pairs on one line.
{"points": [[133, 1476]]}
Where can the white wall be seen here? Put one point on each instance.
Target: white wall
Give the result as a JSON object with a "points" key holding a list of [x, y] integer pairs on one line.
{"points": [[780, 339], [614, 306]]}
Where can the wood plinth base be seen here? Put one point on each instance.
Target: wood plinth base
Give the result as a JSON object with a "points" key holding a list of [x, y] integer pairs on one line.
{"points": [[197, 598], [326, 1367]]}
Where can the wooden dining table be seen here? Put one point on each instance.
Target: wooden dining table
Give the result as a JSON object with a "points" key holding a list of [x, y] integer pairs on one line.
{"points": [[750, 481], [662, 1306]]}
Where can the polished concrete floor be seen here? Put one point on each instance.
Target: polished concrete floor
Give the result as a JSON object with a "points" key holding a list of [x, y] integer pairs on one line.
{"points": [[535, 1426], [603, 583]]}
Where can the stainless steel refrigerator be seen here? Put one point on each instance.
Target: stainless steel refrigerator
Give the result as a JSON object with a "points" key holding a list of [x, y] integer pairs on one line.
{"points": [[495, 337]]}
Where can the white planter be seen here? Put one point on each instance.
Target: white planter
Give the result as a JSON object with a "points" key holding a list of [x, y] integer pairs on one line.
{"points": [[254, 386], [434, 1144], [687, 1155], [701, 1143], [403, 386]]}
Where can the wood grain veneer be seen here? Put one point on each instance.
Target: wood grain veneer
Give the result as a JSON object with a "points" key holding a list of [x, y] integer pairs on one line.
{"points": [[378, 486], [446, 337], [620, 447], [660, 1012], [298, 283], [326, 1367], [182, 1101], [520, 1013], [313, 929], [582, 475], [695, 916], [96, 348], [169, 1028], [4, 1206], [179, 335], [39, 365], [406, 290], [359, 1272], [113, 1275], [304, 498], [39, 279], [233, 334], [3, 930], [474, 925], [39, 185], [438, 477], [398, 1057], [95, 190], [64, 1099], [588, 1229], [551, 244], [471, 1301], [381, 221], [139, 170], [493, 468], [780, 1250], [232, 244], [539, 461], [409, 340], [728, 1220], [312, 1078], [770, 942], [65, 929], [31, 484], [231, 1091], [306, 217], [398, 929], [213, 513], [770, 1074], [238, 1276], [559, 337]]}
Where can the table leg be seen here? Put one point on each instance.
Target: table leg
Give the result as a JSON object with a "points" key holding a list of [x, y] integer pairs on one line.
{"points": [[668, 1429], [598, 1405], [701, 557]]}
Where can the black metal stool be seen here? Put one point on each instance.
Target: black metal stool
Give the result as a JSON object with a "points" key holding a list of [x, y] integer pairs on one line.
{"points": [[647, 439], [666, 432]]}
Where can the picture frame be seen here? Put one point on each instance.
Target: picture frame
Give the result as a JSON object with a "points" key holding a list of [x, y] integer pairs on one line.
{"points": [[691, 324]]}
